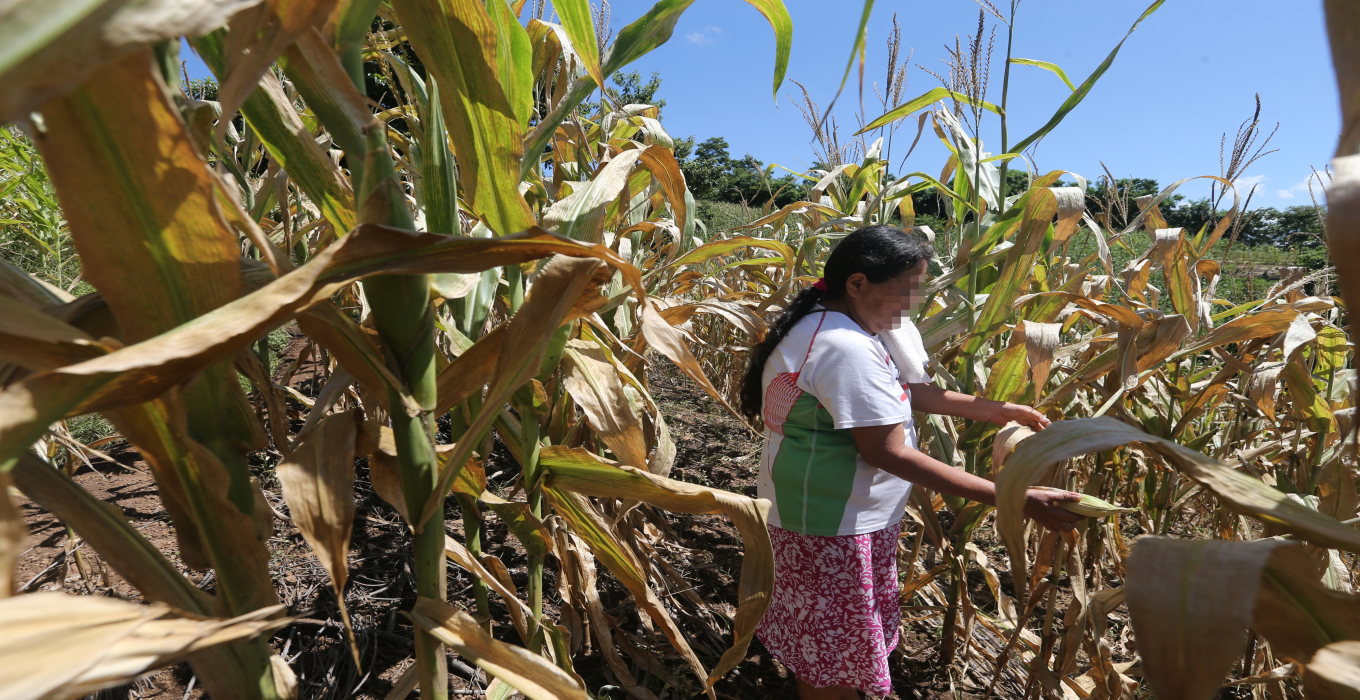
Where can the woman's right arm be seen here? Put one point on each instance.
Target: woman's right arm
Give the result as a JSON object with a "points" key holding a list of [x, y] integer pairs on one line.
{"points": [[885, 447]]}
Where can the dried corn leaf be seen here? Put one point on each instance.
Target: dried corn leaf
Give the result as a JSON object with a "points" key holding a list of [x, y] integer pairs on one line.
{"points": [[586, 522], [354, 349], [29, 290], [579, 471], [528, 673], [1338, 662], [1187, 600], [191, 480], [581, 214], [527, 334], [1299, 615], [258, 35], [385, 473], [594, 384], [1262, 324], [137, 256], [107, 530], [1003, 602], [455, 551], [34, 340], [1041, 340], [318, 485], [671, 343], [1006, 439], [59, 646], [660, 160], [13, 535], [1299, 334], [1033, 461], [142, 371], [48, 48]]}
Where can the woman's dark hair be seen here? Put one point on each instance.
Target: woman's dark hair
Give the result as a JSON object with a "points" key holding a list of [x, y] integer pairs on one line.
{"points": [[880, 252]]}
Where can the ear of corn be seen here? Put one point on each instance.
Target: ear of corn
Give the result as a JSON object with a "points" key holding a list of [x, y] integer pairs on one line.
{"points": [[1089, 505]]}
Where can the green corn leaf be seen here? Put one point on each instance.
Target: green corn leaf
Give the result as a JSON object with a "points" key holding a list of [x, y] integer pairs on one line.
{"points": [[481, 65], [355, 21], [930, 97], [635, 41], [782, 24], [1082, 90], [1051, 67], [270, 115], [579, 26], [1017, 268], [439, 183], [856, 50], [514, 60]]}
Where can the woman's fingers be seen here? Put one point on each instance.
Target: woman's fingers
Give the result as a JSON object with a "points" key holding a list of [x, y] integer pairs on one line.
{"points": [[1034, 419], [1024, 415], [1043, 507]]}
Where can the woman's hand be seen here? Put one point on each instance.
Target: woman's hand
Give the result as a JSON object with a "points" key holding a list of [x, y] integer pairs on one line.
{"points": [[1024, 415], [1043, 507]]}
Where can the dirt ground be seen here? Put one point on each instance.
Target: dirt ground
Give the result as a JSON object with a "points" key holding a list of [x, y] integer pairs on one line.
{"points": [[712, 449]]}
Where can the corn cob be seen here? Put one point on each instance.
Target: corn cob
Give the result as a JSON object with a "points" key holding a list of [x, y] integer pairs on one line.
{"points": [[1089, 505]]}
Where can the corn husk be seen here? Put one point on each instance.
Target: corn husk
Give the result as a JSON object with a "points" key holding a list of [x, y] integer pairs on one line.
{"points": [[1089, 505]]}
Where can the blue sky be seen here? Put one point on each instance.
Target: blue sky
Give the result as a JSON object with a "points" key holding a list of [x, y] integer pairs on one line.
{"points": [[1186, 76]]}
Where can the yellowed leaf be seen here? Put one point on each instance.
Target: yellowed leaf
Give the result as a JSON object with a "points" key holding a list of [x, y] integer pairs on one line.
{"points": [[528, 673], [593, 383], [59, 646], [1186, 599], [13, 535], [581, 472], [318, 485], [1033, 461]]}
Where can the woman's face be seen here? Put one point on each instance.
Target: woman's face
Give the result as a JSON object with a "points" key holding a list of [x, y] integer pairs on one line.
{"points": [[881, 307]]}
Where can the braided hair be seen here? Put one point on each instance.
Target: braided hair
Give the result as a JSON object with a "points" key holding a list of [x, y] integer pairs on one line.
{"points": [[880, 252]]}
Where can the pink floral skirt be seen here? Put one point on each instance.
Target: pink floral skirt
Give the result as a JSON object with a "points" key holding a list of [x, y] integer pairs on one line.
{"points": [[835, 614]]}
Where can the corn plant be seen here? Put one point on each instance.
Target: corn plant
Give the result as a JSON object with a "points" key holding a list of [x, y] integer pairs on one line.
{"points": [[200, 233], [497, 250]]}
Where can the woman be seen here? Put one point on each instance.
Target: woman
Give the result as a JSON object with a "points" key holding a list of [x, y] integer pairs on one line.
{"points": [[840, 459]]}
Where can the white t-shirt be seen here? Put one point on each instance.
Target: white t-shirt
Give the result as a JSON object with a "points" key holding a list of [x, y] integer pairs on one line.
{"points": [[811, 469], [908, 352]]}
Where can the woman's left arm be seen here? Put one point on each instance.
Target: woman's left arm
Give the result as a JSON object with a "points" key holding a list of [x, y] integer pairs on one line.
{"points": [[929, 398]]}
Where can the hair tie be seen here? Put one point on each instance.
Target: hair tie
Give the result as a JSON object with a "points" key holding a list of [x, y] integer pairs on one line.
{"points": [[820, 284]]}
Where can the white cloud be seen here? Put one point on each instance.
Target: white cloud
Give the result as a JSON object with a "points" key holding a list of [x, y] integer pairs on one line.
{"points": [[1244, 184], [706, 36], [1301, 189]]}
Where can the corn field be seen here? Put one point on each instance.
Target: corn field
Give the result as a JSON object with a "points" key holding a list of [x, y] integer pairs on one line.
{"points": [[500, 260]]}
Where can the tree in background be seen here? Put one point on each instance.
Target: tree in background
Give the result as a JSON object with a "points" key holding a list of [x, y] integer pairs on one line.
{"points": [[712, 174], [710, 171], [630, 90], [1300, 225]]}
